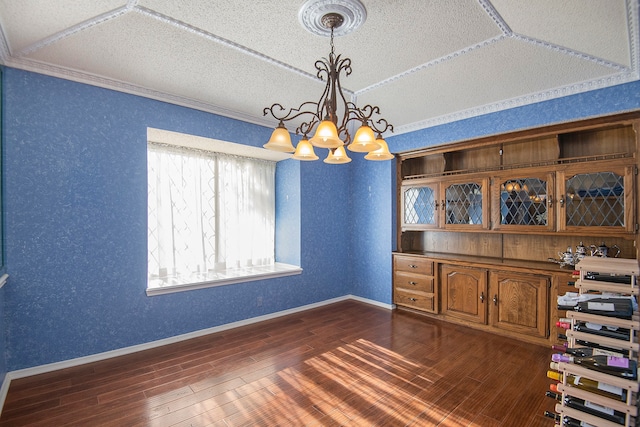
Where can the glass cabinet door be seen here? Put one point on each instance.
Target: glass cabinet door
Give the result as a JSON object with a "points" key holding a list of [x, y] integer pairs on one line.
{"points": [[523, 202], [602, 199], [419, 206], [465, 204]]}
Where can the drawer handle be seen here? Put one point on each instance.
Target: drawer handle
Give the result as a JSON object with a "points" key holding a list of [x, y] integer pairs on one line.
{"points": [[413, 266], [413, 299], [413, 283]]}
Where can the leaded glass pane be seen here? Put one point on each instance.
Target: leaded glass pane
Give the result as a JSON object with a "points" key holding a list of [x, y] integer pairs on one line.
{"points": [[419, 206], [595, 200], [523, 202], [464, 203]]}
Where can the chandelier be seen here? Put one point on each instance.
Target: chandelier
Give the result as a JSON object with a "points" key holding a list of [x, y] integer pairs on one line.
{"points": [[332, 117]]}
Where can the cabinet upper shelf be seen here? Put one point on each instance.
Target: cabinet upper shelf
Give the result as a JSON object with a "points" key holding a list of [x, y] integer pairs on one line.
{"points": [[561, 144]]}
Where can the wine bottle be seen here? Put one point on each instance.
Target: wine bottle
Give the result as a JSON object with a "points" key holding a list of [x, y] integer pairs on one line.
{"points": [[566, 421], [594, 409], [553, 395], [603, 331], [608, 278], [563, 325], [610, 307], [611, 365], [590, 385], [602, 347], [559, 347], [589, 351]]}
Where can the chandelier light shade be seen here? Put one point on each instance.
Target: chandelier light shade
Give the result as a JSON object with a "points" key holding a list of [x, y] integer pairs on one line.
{"points": [[304, 151], [331, 119], [280, 140], [364, 140], [326, 135], [337, 156], [381, 153]]}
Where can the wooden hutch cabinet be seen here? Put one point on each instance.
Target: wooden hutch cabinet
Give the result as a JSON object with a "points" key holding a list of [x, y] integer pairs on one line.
{"points": [[480, 220]]}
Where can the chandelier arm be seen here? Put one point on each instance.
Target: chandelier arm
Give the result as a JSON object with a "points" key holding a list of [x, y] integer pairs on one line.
{"points": [[293, 113], [324, 73], [381, 126], [306, 127], [343, 65]]}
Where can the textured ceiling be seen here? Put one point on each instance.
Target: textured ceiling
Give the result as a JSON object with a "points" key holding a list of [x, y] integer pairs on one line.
{"points": [[423, 62]]}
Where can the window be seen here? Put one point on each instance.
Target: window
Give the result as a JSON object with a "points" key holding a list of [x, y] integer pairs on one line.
{"points": [[211, 218]]}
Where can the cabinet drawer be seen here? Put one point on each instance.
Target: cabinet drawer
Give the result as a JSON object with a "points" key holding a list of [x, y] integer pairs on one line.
{"points": [[414, 300], [416, 282], [413, 264]]}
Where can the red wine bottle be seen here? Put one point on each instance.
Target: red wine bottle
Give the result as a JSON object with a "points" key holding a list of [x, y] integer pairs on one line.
{"points": [[563, 325], [566, 421], [603, 331], [560, 347], [594, 409], [611, 365], [553, 395], [588, 351], [610, 307], [602, 347]]}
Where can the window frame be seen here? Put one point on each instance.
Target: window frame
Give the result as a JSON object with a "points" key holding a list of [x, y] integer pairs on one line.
{"points": [[230, 276]]}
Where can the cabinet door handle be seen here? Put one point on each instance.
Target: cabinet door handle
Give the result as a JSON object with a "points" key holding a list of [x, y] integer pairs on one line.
{"points": [[495, 300], [413, 283], [436, 204], [561, 201], [413, 266], [482, 297], [550, 201]]}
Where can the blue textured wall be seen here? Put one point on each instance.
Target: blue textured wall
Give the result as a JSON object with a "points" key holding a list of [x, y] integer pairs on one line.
{"points": [[75, 212], [76, 232], [374, 211]]}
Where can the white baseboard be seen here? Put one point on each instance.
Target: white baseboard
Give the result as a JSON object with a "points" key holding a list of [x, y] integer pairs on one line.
{"points": [[27, 372]]}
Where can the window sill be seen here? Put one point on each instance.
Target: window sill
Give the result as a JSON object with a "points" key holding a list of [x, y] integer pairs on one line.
{"points": [[228, 277]]}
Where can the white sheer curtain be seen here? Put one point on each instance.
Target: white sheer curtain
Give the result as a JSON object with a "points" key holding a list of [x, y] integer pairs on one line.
{"points": [[208, 211]]}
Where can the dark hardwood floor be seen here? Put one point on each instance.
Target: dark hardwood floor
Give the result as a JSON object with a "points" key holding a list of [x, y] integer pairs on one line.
{"points": [[347, 363]]}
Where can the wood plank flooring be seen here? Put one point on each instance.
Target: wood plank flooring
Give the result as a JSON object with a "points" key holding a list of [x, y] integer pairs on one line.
{"points": [[347, 363]]}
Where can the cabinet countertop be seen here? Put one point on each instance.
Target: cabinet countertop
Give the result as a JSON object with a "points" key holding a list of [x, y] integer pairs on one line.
{"points": [[490, 262]]}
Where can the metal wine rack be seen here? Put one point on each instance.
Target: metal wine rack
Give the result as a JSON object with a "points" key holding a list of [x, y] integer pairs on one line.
{"points": [[612, 267]]}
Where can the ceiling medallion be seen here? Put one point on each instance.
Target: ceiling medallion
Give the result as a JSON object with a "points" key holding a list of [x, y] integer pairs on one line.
{"points": [[352, 11], [331, 114]]}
